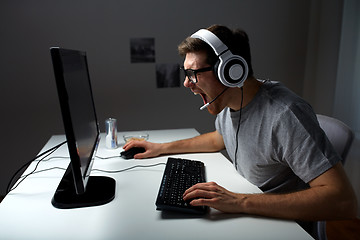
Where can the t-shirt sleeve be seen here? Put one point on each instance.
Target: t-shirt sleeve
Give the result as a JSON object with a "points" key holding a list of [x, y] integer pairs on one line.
{"points": [[300, 143]]}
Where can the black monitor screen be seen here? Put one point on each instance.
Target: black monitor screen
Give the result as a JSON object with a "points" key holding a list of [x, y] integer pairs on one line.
{"points": [[81, 108], [81, 129]]}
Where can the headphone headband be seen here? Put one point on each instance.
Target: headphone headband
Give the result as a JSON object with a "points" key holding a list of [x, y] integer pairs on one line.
{"points": [[211, 39]]}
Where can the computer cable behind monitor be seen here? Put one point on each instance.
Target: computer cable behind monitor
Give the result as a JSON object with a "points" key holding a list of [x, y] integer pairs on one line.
{"points": [[47, 153], [52, 150]]}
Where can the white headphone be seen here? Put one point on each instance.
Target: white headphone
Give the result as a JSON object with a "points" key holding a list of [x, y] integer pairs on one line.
{"points": [[232, 70]]}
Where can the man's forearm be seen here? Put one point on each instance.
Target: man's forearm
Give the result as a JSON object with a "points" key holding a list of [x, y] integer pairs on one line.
{"points": [[329, 197], [208, 142], [303, 205]]}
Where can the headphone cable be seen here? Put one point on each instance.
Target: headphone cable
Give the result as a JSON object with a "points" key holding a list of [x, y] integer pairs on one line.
{"points": [[238, 128]]}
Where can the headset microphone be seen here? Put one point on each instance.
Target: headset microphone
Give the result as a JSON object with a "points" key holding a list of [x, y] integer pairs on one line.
{"points": [[207, 104], [204, 106]]}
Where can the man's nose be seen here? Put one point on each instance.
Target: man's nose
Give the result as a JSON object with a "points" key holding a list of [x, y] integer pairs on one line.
{"points": [[187, 82]]}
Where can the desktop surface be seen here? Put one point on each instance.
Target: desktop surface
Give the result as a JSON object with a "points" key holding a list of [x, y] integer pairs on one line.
{"points": [[27, 213]]}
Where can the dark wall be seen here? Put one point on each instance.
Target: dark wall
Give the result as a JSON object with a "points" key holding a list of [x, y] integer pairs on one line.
{"points": [[30, 112]]}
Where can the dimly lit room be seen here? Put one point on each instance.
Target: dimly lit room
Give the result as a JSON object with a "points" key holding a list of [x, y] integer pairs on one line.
{"points": [[141, 87]]}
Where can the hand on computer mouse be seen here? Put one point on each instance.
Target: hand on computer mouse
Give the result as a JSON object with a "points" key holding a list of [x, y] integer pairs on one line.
{"points": [[151, 149], [130, 153]]}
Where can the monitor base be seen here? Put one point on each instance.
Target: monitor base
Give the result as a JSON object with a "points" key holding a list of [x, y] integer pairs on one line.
{"points": [[99, 190]]}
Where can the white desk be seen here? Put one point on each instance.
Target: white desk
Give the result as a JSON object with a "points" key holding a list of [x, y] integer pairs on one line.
{"points": [[27, 213]]}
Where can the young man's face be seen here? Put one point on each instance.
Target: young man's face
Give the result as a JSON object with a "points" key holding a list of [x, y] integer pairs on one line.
{"points": [[207, 86]]}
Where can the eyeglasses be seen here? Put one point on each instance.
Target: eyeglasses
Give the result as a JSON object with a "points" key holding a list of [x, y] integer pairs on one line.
{"points": [[191, 73]]}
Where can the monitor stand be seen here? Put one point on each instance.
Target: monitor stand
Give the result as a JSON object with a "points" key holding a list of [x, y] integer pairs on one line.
{"points": [[99, 190]]}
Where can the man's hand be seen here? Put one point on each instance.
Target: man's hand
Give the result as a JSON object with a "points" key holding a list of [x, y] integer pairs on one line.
{"points": [[212, 195], [151, 149], [330, 197]]}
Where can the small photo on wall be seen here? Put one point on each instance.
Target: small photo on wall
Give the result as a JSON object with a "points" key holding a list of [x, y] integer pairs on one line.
{"points": [[167, 75], [142, 50]]}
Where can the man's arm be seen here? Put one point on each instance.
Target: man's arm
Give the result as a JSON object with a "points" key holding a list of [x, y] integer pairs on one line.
{"points": [[329, 197], [208, 142]]}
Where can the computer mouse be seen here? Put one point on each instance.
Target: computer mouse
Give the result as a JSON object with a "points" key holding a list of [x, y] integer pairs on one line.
{"points": [[131, 152]]}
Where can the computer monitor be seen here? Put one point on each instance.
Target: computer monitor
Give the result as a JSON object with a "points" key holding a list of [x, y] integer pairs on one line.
{"points": [[77, 188]]}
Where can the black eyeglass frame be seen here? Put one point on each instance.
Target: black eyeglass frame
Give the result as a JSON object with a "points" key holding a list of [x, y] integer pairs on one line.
{"points": [[193, 72]]}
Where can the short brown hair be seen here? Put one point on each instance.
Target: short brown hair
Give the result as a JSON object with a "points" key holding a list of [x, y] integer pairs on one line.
{"points": [[236, 40]]}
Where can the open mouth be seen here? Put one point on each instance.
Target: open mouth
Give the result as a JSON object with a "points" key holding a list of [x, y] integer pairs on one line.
{"points": [[204, 98]]}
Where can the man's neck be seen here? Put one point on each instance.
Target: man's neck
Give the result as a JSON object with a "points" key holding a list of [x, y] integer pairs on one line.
{"points": [[250, 88]]}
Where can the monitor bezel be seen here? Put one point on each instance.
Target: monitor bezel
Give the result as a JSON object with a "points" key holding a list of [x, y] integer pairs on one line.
{"points": [[77, 188], [80, 178]]}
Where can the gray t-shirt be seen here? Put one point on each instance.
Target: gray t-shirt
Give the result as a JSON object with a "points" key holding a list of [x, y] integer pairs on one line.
{"points": [[281, 146]]}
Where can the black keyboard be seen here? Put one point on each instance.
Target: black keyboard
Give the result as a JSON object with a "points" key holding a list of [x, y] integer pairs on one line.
{"points": [[179, 175]]}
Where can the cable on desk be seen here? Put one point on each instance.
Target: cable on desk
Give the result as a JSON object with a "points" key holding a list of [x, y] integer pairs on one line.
{"points": [[104, 158], [100, 170], [47, 152], [52, 150], [68, 157], [45, 170], [126, 169], [50, 158]]}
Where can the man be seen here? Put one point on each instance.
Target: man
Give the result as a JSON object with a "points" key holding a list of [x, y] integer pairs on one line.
{"points": [[271, 135]]}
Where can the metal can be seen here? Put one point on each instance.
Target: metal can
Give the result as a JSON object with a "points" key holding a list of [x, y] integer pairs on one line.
{"points": [[111, 133]]}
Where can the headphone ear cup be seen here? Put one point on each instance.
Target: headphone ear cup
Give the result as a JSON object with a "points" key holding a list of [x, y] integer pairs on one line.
{"points": [[232, 71]]}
